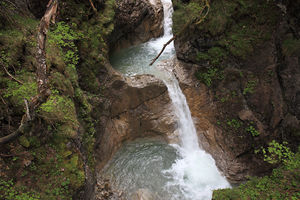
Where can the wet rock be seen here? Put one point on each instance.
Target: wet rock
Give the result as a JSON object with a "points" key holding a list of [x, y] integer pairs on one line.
{"points": [[140, 107], [144, 194], [136, 22], [104, 191]]}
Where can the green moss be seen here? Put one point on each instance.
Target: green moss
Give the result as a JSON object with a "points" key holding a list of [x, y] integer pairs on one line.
{"points": [[238, 26], [60, 109], [291, 47], [23, 141], [55, 172], [62, 84], [82, 98], [282, 184], [19, 92], [219, 17], [214, 56], [185, 13]]}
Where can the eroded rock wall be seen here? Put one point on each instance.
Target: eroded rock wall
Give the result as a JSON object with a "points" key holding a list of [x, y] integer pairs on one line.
{"points": [[136, 22], [243, 81], [139, 107]]}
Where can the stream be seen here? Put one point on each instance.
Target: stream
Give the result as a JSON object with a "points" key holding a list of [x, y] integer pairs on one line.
{"points": [[168, 171]]}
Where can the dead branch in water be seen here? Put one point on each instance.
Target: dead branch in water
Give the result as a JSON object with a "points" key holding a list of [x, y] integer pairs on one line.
{"points": [[162, 50]]}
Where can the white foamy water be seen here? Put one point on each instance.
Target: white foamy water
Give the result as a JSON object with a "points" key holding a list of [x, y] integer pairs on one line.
{"points": [[193, 175], [195, 172]]}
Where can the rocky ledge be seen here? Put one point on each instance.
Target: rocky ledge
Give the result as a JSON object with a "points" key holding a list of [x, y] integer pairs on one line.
{"points": [[139, 106]]}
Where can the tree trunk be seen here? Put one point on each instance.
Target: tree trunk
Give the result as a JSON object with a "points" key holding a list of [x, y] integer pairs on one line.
{"points": [[41, 73]]}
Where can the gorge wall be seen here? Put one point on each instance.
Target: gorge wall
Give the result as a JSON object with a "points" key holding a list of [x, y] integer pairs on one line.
{"points": [[246, 60], [239, 70]]}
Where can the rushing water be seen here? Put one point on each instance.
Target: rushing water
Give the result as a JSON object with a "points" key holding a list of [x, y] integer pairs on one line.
{"points": [[179, 171]]}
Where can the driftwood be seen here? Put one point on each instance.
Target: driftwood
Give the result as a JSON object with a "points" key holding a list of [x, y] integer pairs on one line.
{"points": [[41, 73], [197, 21]]}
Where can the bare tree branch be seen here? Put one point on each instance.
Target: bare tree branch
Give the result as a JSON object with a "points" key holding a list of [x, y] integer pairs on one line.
{"points": [[11, 76], [94, 8], [27, 109], [23, 126], [206, 7], [162, 50], [13, 155]]}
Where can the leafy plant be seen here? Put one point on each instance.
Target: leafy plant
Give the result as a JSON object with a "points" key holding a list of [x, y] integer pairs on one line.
{"points": [[64, 37], [251, 84], [276, 153], [283, 183], [234, 123], [252, 130], [210, 75], [21, 92], [9, 192]]}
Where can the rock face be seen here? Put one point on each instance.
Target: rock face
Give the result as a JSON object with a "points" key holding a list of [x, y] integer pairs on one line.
{"points": [[139, 107], [242, 85], [136, 21]]}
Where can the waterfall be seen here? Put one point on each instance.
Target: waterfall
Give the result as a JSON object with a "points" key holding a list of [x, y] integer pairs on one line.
{"points": [[195, 172]]}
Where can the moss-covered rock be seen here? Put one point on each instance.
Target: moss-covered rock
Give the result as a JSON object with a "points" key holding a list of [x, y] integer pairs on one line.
{"points": [[281, 184]]}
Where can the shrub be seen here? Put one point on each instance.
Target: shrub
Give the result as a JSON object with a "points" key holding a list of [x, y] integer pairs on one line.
{"points": [[277, 153]]}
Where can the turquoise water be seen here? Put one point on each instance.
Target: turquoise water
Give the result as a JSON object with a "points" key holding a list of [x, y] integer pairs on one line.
{"points": [[141, 164]]}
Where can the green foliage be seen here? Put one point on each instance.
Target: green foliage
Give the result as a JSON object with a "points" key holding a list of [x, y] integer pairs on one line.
{"points": [[64, 36], [234, 123], [250, 86], [62, 84], [185, 13], [9, 192], [214, 55], [219, 17], [239, 26], [20, 92], [210, 75], [277, 153], [252, 131], [291, 47], [60, 109], [282, 184]]}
